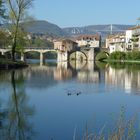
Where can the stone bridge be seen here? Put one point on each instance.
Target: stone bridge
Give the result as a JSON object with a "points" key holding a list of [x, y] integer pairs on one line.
{"points": [[64, 49], [86, 54], [40, 50]]}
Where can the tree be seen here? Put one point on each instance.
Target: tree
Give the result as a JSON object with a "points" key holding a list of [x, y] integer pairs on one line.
{"points": [[5, 38], [17, 11]]}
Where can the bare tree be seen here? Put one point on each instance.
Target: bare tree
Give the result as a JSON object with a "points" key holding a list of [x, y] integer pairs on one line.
{"points": [[17, 10]]}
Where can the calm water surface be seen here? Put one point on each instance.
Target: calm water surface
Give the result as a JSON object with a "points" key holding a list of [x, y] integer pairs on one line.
{"points": [[58, 100]]}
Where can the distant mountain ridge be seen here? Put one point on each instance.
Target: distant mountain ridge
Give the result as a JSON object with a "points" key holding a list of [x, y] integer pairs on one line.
{"points": [[104, 30], [50, 29]]}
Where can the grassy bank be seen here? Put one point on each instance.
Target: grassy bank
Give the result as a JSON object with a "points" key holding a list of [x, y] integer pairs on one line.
{"points": [[8, 64]]}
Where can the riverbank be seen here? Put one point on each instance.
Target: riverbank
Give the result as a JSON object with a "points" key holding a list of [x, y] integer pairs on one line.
{"points": [[121, 61], [8, 64]]}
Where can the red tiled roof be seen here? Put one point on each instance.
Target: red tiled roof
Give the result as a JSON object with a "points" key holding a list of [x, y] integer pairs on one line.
{"points": [[115, 35], [96, 36], [134, 28], [66, 40]]}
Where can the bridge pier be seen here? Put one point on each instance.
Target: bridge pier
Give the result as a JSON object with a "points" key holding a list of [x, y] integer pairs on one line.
{"points": [[62, 56], [91, 54], [2, 53], [41, 59], [22, 57]]}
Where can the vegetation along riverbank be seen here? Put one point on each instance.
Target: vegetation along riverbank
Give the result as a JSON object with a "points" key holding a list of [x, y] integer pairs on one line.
{"points": [[8, 64], [126, 57]]}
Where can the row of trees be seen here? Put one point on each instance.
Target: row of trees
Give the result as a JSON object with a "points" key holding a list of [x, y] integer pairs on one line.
{"points": [[14, 12]]}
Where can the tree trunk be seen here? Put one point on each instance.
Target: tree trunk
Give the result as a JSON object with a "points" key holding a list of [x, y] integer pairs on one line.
{"points": [[15, 40], [13, 51]]}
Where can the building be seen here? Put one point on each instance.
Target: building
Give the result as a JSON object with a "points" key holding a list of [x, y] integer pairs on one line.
{"points": [[116, 42], [133, 38], [65, 45], [89, 40]]}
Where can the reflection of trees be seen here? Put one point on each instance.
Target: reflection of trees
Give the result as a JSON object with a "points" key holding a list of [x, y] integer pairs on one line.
{"points": [[16, 125]]}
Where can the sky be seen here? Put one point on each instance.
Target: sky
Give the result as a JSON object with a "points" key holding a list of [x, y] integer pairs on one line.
{"points": [[73, 13]]}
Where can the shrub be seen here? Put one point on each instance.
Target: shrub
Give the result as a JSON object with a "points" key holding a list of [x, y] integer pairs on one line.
{"points": [[135, 55], [117, 55], [129, 56]]}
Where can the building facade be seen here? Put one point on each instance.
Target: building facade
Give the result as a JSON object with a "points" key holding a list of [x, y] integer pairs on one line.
{"points": [[89, 41], [116, 42], [65, 45], [133, 38]]}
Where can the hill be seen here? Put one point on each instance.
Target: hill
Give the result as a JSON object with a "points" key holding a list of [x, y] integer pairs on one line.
{"points": [[43, 27]]}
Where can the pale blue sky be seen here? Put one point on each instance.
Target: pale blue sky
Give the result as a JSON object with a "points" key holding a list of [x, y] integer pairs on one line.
{"points": [[66, 13]]}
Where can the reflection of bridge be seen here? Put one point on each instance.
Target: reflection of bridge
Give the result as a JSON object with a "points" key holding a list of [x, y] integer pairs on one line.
{"points": [[63, 71]]}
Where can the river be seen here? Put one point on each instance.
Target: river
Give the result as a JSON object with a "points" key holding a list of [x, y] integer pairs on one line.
{"points": [[61, 101]]}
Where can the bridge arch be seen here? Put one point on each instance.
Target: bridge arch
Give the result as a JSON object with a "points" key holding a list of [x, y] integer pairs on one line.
{"points": [[101, 55], [3, 51], [31, 54], [78, 55], [50, 54]]}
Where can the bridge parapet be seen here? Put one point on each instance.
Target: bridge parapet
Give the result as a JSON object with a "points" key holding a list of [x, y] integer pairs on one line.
{"points": [[40, 50]]}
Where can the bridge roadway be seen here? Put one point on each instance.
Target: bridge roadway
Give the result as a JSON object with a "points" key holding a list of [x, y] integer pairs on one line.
{"points": [[29, 49]]}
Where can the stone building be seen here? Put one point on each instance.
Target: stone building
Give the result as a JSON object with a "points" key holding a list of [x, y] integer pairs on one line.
{"points": [[89, 41], [65, 45]]}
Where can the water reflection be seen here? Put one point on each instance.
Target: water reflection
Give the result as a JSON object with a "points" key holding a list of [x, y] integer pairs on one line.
{"points": [[83, 71], [14, 122], [51, 74], [127, 76], [64, 95]]}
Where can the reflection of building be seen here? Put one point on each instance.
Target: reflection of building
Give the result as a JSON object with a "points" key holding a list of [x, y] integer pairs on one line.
{"points": [[62, 72], [88, 74], [88, 40], [116, 42], [114, 76], [88, 77], [127, 79]]}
